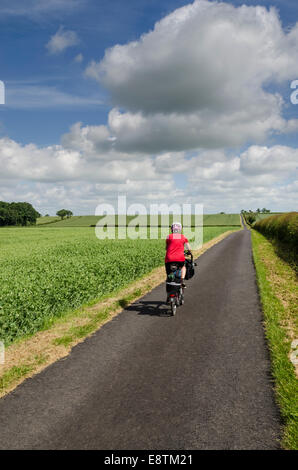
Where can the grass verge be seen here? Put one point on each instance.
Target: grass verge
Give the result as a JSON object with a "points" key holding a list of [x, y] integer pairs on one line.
{"points": [[28, 356], [277, 282]]}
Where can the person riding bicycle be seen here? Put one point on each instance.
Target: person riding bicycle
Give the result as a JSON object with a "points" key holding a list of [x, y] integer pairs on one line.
{"points": [[176, 243]]}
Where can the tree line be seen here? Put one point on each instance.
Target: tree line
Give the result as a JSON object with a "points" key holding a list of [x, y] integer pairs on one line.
{"points": [[17, 213], [251, 216]]}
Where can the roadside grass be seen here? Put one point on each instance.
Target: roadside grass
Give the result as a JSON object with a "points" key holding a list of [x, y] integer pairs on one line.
{"points": [[277, 281], [94, 321], [15, 373], [31, 354]]}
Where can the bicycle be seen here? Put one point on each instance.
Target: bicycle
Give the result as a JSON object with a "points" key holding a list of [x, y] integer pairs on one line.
{"points": [[174, 287]]}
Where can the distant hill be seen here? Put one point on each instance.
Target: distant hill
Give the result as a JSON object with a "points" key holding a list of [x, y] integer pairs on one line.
{"points": [[91, 220]]}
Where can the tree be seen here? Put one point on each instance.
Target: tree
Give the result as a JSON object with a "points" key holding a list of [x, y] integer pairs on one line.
{"points": [[250, 218], [17, 213], [25, 212], [62, 213], [69, 214]]}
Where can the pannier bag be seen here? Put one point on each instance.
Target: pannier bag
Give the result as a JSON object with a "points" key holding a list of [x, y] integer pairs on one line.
{"points": [[174, 280], [190, 269]]}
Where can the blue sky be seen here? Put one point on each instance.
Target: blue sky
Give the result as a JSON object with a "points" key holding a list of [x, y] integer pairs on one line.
{"points": [[25, 62], [48, 89]]}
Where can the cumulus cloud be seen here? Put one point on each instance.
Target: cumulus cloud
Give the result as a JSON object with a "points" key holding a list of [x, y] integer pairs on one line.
{"points": [[279, 160], [204, 55], [88, 139], [62, 40], [259, 176], [86, 170], [163, 132], [56, 163], [199, 79]]}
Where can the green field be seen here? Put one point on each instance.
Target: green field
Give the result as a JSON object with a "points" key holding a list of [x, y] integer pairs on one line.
{"points": [[221, 220], [91, 220], [47, 220], [47, 272]]}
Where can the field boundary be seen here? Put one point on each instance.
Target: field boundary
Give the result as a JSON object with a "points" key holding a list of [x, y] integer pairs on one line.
{"points": [[29, 356], [47, 223], [278, 294]]}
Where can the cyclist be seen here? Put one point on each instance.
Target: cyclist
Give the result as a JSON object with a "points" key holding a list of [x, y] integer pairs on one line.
{"points": [[176, 243]]}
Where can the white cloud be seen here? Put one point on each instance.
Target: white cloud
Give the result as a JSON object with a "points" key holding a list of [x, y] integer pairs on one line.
{"points": [[36, 8], [58, 164], [86, 169], [199, 79], [79, 58], [88, 139], [279, 160], [259, 176], [163, 132], [32, 96], [204, 55], [62, 40]]}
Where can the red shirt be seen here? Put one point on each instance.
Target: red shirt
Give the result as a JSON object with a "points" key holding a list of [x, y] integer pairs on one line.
{"points": [[175, 247]]}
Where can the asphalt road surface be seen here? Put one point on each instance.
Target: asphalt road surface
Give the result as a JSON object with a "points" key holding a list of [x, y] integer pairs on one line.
{"points": [[199, 380]]}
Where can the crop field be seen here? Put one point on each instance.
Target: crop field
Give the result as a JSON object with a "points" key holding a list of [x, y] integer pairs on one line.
{"points": [[46, 272], [91, 220], [221, 220]]}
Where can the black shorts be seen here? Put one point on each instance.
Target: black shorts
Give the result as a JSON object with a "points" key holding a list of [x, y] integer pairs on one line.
{"points": [[180, 264]]}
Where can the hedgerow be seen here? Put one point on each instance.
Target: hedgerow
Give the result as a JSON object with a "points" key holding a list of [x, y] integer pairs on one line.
{"points": [[283, 228]]}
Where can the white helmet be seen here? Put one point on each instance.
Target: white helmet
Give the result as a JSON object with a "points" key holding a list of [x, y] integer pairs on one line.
{"points": [[176, 227]]}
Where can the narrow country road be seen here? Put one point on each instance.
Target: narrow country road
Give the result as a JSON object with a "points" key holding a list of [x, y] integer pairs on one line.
{"points": [[199, 380]]}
